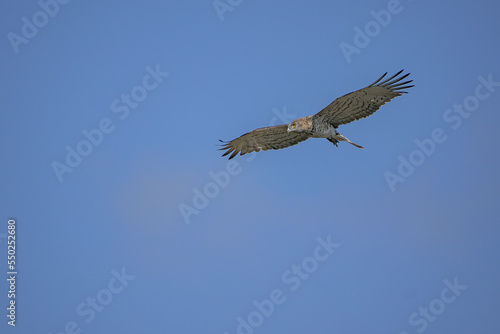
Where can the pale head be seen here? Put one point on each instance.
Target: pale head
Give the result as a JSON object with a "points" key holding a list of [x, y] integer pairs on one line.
{"points": [[303, 124]]}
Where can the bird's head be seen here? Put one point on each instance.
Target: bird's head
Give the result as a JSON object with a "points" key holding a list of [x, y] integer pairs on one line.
{"points": [[303, 124]]}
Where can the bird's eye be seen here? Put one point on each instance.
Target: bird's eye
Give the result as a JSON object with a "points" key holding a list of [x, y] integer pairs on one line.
{"points": [[294, 125]]}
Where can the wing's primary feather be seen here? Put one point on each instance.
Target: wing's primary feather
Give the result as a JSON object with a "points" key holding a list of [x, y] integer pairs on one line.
{"points": [[364, 102], [272, 137]]}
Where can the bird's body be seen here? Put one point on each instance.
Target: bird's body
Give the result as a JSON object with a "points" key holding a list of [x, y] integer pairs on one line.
{"points": [[345, 109], [325, 131], [317, 129]]}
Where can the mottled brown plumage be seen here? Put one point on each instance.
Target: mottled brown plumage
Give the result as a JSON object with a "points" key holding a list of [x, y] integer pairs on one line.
{"points": [[345, 109], [271, 137]]}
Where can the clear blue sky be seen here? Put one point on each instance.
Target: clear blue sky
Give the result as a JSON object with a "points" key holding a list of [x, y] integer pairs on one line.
{"points": [[129, 221]]}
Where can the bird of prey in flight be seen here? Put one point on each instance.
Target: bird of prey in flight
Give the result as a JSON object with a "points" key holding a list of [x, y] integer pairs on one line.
{"points": [[345, 109]]}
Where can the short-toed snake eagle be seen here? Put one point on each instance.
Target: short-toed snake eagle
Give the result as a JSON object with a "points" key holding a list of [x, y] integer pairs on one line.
{"points": [[345, 109]]}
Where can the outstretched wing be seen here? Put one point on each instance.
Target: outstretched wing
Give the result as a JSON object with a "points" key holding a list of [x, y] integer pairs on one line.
{"points": [[272, 137], [364, 102]]}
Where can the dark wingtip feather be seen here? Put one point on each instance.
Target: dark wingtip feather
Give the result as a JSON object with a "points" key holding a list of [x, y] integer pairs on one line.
{"points": [[235, 153], [389, 81], [376, 81], [226, 146], [392, 82], [405, 87]]}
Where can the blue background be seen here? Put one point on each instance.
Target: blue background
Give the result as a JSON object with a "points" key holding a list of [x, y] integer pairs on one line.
{"points": [[121, 208]]}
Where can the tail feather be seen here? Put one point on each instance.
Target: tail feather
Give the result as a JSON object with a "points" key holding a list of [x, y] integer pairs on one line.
{"points": [[341, 137]]}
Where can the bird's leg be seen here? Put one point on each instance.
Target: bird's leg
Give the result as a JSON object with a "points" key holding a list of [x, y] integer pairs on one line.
{"points": [[334, 141]]}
